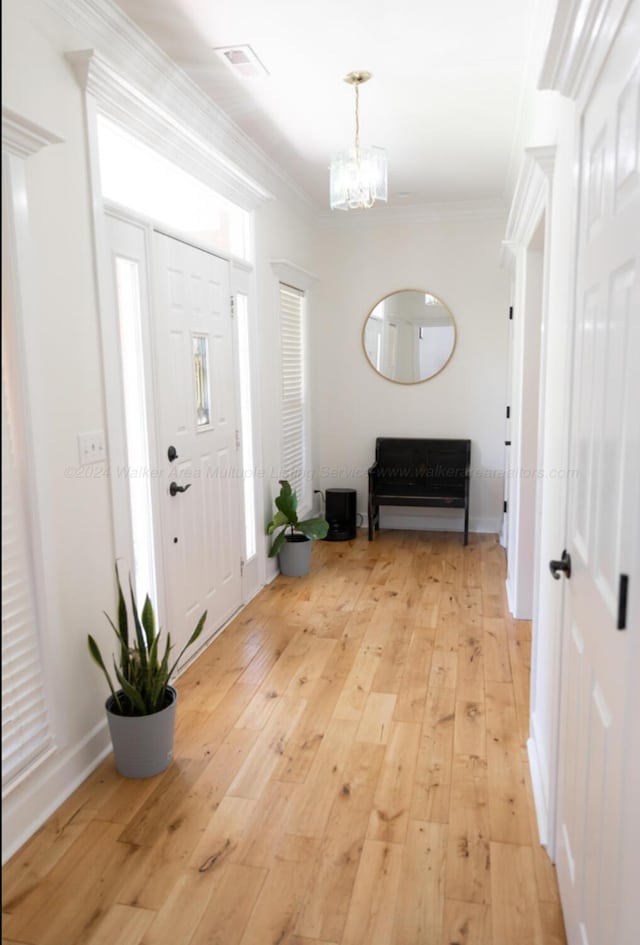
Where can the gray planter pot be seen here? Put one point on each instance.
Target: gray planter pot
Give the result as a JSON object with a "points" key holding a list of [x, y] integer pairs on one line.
{"points": [[295, 556], [143, 745]]}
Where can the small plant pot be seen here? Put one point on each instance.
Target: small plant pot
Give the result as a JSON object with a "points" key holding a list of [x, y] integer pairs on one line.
{"points": [[295, 556], [143, 744]]}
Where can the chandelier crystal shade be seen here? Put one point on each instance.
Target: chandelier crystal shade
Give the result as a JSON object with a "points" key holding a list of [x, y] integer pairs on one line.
{"points": [[358, 176]]}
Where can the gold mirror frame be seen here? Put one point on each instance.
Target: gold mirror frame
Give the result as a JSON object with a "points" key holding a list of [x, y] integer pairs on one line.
{"points": [[414, 323]]}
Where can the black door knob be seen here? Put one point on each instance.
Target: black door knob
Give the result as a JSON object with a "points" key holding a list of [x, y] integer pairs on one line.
{"points": [[174, 488], [563, 565], [172, 453]]}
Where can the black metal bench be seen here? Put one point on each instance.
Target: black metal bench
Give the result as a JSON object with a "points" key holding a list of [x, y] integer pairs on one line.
{"points": [[419, 473]]}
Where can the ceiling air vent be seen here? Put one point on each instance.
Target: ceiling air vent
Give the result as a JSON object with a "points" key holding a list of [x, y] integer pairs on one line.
{"points": [[242, 60]]}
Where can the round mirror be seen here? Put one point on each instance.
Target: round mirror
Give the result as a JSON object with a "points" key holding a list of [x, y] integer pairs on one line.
{"points": [[409, 336]]}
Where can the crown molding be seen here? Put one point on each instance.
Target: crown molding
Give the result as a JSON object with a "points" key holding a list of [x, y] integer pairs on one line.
{"points": [[293, 275], [530, 198], [23, 137], [157, 124], [133, 80], [581, 36], [416, 214]]}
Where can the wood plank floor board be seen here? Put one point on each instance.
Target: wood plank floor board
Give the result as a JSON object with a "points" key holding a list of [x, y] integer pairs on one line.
{"points": [[326, 906], [514, 905], [177, 918], [420, 902], [266, 752], [350, 768], [229, 908], [126, 925], [508, 800], [468, 867], [389, 818], [432, 783], [312, 801], [259, 842], [279, 903], [372, 911], [69, 903], [467, 923], [413, 687], [375, 724]]}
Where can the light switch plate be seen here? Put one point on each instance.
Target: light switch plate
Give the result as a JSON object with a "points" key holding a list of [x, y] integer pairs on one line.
{"points": [[91, 447]]}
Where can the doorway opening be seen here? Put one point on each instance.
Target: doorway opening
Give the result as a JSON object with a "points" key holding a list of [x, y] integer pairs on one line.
{"points": [[523, 470]]}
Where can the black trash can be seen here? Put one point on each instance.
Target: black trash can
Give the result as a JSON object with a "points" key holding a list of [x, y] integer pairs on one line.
{"points": [[340, 512]]}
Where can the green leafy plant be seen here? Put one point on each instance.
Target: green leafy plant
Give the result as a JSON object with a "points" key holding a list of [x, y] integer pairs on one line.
{"points": [[143, 674], [286, 518]]}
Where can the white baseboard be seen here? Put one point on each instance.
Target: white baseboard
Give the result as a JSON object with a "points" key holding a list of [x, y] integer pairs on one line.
{"points": [[437, 520], [510, 600], [49, 786], [539, 793]]}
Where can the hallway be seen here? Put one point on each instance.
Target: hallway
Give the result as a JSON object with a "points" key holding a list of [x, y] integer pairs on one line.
{"points": [[350, 769]]}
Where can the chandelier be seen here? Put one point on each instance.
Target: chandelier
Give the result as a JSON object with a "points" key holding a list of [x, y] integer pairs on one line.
{"points": [[358, 176]]}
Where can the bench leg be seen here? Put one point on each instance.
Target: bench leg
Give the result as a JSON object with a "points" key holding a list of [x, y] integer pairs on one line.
{"points": [[466, 525], [374, 519]]}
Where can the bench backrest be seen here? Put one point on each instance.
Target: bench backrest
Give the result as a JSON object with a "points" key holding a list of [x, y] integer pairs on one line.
{"points": [[437, 465]]}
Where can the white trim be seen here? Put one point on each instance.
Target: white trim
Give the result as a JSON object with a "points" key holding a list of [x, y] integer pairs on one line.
{"points": [[67, 772], [242, 281], [110, 342], [164, 127], [510, 595], [430, 522], [532, 200], [530, 196], [581, 37], [293, 275], [142, 69], [22, 137], [537, 782]]}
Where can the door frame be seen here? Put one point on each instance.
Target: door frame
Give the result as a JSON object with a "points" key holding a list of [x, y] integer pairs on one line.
{"points": [[117, 453], [526, 581], [174, 131]]}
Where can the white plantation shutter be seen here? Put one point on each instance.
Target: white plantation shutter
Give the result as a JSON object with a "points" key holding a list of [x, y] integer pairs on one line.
{"points": [[294, 433], [25, 727]]}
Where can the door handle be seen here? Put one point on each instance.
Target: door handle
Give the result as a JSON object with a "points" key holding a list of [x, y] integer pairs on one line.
{"points": [[564, 564], [174, 488]]}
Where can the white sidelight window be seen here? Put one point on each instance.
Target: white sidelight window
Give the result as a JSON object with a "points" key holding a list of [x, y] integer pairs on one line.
{"points": [[246, 425], [295, 445]]}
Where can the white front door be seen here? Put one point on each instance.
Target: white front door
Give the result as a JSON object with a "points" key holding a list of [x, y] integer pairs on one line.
{"points": [[597, 735], [201, 498]]}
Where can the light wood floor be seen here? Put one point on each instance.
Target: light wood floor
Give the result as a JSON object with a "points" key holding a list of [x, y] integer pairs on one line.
{"points": [[350, 769]]}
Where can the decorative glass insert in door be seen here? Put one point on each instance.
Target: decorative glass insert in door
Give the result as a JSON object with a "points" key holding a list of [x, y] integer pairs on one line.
{"points": [[201, 380]]}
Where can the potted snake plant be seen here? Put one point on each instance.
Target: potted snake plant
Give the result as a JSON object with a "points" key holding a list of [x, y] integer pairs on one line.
{"points": [[142, 706], [293, 542]]}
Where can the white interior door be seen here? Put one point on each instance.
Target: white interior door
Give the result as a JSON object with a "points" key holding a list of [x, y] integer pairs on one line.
{"points": [[598, 738], [196, 416]]}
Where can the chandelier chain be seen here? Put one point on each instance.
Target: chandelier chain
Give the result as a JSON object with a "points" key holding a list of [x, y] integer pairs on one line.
{"points": [[357, 88]]}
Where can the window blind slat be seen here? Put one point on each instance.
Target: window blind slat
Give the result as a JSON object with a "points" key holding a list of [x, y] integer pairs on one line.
{"points": [[293, 420], [25, 726]]}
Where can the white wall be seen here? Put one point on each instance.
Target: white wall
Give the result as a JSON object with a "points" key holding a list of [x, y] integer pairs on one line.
{"points": [[281, 235], [457, 260]]}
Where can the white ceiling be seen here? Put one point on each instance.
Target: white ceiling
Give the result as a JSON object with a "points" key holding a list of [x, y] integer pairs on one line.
{"points": [[451, 82]]}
